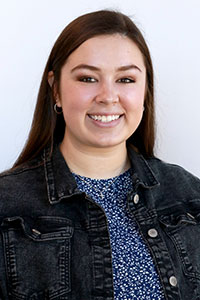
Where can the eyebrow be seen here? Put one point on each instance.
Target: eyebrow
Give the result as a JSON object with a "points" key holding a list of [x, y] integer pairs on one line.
{"points": [[93, 68]]}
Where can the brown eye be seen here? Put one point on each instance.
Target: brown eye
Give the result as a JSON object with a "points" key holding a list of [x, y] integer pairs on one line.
{"points": [[87, 79], [126, 80]]}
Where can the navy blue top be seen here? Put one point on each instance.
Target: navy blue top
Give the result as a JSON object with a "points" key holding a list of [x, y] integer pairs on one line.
{"points": [[134, 273]]}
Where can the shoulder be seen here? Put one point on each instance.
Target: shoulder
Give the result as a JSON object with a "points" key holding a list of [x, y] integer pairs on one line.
{"points": [[167, 170], [174, 179], [156, 172], [20, 177], [26, 167]]}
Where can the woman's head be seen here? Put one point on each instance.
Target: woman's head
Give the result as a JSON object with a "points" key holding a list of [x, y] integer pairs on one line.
{"points": [[47, 127], [101, 92]]}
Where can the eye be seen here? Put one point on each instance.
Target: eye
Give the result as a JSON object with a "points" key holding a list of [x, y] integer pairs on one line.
{"points": [[87, 79], [126, 80]]}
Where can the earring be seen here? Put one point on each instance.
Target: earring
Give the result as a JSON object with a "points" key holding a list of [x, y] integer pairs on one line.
{"points": [[57, 109]]}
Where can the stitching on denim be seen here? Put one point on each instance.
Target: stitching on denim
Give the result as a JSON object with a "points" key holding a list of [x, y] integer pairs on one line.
{"points": [[46, 177]]}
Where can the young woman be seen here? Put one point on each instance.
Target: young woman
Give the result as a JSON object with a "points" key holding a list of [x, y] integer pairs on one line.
{"points": [[87, 212]]}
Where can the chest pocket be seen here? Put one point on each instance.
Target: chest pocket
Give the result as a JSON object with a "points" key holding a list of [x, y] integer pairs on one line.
{"points": [[184, 231], [37, 255]]}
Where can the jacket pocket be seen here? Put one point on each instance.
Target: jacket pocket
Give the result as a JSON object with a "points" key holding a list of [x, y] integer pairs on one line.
{"points": [[37, 254], [184, 231]]}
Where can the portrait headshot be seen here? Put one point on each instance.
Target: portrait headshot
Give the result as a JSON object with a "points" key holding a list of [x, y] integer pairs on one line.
{"points": [[99, 169]]}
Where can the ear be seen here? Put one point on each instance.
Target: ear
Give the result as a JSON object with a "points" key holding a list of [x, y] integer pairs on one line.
{"points": [[53, 86], [51, 78]]}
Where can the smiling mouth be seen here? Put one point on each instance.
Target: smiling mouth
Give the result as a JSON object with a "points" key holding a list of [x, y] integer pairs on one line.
{"points": [[104, 119]]}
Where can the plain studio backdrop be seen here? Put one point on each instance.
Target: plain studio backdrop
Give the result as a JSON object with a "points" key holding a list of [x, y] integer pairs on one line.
{"points": [[28, 30]]}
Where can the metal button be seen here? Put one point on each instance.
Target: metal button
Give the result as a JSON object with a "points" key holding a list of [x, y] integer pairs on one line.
{"points": [[36, 231], [173, 281], [152, 233], [136, 199]]}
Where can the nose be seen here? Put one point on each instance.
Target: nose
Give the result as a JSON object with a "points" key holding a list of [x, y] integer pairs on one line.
{"points": [[107, 94]]}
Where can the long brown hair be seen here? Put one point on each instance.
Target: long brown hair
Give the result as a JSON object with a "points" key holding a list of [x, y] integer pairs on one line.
{"points": [[48, 127]]}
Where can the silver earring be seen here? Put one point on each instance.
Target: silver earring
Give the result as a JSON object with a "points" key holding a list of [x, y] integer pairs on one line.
{"points": [[57, 109]]}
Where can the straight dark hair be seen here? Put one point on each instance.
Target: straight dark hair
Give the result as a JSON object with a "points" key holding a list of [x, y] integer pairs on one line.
{"points": [[48, 127]]}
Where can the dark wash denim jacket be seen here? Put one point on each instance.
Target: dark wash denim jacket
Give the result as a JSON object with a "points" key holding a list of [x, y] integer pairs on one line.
{"points": [[55, 241]]}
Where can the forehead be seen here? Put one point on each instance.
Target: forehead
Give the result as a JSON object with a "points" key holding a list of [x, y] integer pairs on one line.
{"points": [[104, 50]]}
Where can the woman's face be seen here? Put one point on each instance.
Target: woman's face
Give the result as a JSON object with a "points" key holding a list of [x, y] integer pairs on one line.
{"points": [[101, 91]]}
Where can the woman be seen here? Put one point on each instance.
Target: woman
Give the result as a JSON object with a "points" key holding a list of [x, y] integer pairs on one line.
{"points": [[87, 211]]}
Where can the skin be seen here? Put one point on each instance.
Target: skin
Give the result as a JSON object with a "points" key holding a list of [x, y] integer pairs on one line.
{"points": [[104, 76]]}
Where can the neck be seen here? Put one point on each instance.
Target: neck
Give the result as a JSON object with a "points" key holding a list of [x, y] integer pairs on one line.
{"points": [[99, 163]]}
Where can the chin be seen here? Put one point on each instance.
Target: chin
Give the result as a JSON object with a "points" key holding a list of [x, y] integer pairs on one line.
{"points": [[108, 143]]}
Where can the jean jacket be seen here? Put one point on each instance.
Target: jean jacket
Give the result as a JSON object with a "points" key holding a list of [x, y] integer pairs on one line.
{"points": [[54, 239]]}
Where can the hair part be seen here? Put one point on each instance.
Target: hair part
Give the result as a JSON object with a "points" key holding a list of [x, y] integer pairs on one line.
{"points": [[48, 127]]}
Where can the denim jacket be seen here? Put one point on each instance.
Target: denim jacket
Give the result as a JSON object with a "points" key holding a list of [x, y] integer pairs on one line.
{"points": [[55, 241]]}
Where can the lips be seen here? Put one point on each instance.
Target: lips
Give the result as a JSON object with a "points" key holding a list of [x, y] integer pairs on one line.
{"points": [[105, 118]]}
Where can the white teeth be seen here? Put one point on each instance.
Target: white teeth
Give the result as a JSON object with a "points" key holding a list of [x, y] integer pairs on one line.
{"points": [[105, 119]]}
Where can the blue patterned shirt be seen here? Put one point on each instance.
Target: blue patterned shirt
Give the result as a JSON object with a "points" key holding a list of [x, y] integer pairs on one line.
{"points": [[134, 273]]}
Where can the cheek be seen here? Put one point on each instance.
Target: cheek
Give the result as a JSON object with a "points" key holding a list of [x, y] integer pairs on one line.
{"points": [[72, 111], [75, 98], [134, 95], [135, 100]]}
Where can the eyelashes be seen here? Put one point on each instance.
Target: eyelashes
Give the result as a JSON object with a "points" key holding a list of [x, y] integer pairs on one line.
{"points": [[90, 79], [87, 79], [126, 80]]}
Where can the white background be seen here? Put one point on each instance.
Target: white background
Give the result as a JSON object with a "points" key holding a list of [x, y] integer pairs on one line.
{"points": [[28, 30]]}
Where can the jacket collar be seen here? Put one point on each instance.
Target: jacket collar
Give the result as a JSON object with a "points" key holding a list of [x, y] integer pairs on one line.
{"points": [[61, 183], [142, 172]]}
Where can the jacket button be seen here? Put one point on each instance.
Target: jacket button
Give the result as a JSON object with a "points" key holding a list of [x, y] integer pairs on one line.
{"points": [[173, 281], [152, 232], [136, 199]]}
